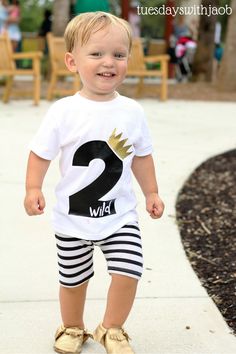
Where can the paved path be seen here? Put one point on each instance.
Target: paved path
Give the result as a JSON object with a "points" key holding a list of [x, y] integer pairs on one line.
{"points": [[170, 298]]}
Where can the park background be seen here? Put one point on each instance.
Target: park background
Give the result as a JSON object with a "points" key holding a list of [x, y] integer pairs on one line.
{"points": [[211, 78]]}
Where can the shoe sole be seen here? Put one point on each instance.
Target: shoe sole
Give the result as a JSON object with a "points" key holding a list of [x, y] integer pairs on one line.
{"points": [[63, 352]]}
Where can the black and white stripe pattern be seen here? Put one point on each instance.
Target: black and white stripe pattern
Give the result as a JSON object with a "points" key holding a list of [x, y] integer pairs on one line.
{"points": [[123, 252]]}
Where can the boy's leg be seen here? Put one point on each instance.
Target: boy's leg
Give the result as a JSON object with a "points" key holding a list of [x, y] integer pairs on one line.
{"points": [[72, 301], [70, 336], [120, 300], [123, 252], [75, 260]]}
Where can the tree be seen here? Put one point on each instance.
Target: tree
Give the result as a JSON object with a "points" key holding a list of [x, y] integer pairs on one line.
{"points": [[152, 26], [227, 73], [203, 60], [32, 14], [61, 15]]}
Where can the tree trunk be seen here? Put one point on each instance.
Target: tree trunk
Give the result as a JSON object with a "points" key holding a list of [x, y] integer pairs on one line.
{"points": [[61, 11], [203, 60], [125, 6], [227, 73]]}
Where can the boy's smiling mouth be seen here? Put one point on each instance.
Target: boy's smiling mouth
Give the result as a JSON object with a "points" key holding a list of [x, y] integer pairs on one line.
{"points": [[106, 74]]}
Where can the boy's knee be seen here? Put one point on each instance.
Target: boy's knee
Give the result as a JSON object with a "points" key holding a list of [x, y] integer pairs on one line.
{"points": [[73, 289], [124, 279]]}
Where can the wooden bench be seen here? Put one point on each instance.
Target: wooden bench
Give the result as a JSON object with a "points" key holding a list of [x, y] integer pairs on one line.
{"points": [[137, 67], [57, 50], [9, 70]]}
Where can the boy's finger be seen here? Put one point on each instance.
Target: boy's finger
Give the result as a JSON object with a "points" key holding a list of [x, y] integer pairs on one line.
{"points": [[41, 203], [149, 207], [157, 212]]}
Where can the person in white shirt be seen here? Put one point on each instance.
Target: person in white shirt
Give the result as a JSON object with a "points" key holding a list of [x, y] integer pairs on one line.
{"points": [[102, 137]]}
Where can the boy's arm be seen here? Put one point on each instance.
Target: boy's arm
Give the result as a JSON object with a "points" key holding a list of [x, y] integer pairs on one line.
{"points": [[36, 170], [144, 171]]}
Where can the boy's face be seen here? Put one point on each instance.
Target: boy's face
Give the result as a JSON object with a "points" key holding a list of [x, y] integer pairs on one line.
{"points": [[101, 62]]}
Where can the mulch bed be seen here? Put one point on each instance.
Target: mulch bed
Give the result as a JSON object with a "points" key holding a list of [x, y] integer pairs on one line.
{"points": [[206, 216]]}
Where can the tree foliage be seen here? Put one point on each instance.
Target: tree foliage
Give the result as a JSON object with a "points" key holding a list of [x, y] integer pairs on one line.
{"points": [[152, 26], [32, 14]]}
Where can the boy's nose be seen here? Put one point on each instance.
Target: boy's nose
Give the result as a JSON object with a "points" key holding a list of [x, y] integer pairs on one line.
{"points": [[108, 62]]}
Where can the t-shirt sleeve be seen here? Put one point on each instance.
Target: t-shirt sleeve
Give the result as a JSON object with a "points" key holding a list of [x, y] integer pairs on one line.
{"points": [[46, 143], [143, 145]]}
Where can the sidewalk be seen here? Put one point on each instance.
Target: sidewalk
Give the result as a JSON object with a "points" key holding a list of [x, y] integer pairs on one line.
{"points": [[172, 313]]}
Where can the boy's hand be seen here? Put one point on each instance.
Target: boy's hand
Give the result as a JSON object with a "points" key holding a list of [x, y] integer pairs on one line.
{"points": [[34, 202], [154, 205]]}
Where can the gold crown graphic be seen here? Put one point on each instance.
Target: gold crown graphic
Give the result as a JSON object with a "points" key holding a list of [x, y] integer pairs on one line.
{"points": [[118, 145]]}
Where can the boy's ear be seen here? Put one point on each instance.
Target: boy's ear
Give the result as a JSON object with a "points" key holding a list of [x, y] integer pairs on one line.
{"points": [[70, 62]]}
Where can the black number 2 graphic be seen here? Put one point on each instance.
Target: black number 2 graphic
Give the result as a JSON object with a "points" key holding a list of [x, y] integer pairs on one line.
{"points": [[86, 201]]}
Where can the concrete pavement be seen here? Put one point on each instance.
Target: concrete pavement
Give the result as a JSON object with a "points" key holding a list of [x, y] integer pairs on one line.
{"points": [[172, 313]]}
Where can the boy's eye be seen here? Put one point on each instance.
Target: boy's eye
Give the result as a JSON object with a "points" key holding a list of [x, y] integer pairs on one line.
{"points": [[96, 54], [120, 55]]}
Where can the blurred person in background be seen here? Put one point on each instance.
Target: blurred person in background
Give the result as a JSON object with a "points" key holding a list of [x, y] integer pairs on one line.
{"points": [[3, 15], [45, 28], [46, 24], [81, 6], [12, 24], [134, 19]]}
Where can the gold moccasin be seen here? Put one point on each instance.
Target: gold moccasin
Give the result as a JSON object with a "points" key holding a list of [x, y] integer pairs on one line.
{"points": [[69, 340], [115, 340]]}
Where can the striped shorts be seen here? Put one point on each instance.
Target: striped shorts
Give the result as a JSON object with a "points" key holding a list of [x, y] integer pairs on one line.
{"points": [[122, 250]]}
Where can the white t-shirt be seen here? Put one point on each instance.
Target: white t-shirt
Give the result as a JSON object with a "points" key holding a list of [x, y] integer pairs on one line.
{"points": [[97, 141]]}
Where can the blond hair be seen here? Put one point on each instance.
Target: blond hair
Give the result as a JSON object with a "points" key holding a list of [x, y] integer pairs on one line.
{"points": [[81, 27]]}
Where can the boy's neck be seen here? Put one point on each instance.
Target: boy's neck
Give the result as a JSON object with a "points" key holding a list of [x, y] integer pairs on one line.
{"points": [[98, 97]]}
